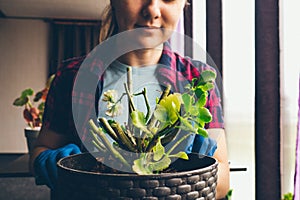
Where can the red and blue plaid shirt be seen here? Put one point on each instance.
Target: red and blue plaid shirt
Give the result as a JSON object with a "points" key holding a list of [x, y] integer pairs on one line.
{"points": [[59, 114]]}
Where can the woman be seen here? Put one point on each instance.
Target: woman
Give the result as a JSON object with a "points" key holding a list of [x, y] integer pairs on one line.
{"points": [[154, 17]]}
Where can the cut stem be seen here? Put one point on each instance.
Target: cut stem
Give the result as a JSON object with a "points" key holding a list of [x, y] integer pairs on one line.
{"points": [[97, 141], [124, 139], [108, 128], [107, 143]]}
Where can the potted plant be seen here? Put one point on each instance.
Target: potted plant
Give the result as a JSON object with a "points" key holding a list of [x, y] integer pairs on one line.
{"points": [[134, 160], [33, 104]]}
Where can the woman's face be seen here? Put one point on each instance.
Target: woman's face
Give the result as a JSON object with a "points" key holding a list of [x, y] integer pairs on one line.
{"points": [[152, 15]]}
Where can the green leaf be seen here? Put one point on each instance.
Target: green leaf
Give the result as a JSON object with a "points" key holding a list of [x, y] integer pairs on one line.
{"points": [[139, 120], [172, 102], [27, 92], [173, 114], [158, 151], [199, 92], [144, 165], [288, 196], [202, 131], [188, 100], [202, 99], [41, 106], [154, 130], [181, 155], [161, 164], [188, 86], [161, 113], [38, 96], [205, 115], [186, 125], [229, 194], [194, 80], [207, 86], [194, 111], [139, 167], [207, 76], [20, 101], [172, 105], [156, 100]]}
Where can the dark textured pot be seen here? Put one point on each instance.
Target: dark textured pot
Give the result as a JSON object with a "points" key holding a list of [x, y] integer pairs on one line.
{"points": [[195, 178], [31, 136]]}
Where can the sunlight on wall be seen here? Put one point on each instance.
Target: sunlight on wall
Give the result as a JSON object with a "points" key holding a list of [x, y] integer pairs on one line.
{"points": [[238, 80], [24, 61], [290, 70], [199, 29]]}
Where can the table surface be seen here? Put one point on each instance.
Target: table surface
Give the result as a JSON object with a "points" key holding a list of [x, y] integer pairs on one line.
{"points": [[17, 165], [14, 165]]}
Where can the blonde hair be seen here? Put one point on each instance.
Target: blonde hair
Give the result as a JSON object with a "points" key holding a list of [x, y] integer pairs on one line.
{"points": [[109, 25]]}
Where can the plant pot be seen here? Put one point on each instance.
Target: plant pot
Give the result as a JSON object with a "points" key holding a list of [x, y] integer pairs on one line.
{"points": [[31, 136], [195, 178]]}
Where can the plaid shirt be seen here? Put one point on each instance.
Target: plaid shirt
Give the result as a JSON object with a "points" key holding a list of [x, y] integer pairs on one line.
{"points": [[59, 114]]}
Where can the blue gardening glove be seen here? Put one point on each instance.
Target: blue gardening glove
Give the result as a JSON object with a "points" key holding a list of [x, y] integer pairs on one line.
{"points": [[45, 164], [204, 146]]}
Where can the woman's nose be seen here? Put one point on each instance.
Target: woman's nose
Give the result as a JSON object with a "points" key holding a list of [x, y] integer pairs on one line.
{"points": [[151, 10]]}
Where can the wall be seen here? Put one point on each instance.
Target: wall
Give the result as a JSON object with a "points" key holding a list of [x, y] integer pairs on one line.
{"points": [[290, 71], [24, 61]]}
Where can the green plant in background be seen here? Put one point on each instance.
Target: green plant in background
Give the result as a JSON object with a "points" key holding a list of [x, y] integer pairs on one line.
{"points": [[288, 196], [229, 195], [146, 134], [33, 114]]}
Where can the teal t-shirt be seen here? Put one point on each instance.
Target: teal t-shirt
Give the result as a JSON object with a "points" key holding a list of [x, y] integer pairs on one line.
{"points": [[142, 77]]}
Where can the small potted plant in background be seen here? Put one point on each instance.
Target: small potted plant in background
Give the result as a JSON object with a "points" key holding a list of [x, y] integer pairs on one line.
{"points": [[33, 111]]}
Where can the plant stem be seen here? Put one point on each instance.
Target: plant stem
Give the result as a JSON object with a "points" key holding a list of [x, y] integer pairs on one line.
{"points": [[29, 104], [107, 143], [161, 133], [169, 136], [129, 96], [144, 93], [130, 101], [124, 139], [131, 137], [147, 104], [178, 142], [165, 93], [129, 79], [108, 129], [97, 146], [97, 142]]}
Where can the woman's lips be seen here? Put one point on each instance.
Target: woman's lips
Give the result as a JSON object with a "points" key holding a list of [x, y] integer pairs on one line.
{"points": [[146, 26]]}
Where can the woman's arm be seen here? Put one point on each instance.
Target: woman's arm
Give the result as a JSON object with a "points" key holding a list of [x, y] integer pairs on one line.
{"points": [[47, 139], [221, 155]]}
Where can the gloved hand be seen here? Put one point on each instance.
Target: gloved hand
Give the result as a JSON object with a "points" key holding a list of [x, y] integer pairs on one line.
{"points": [[204, 146], [45, 164]]}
